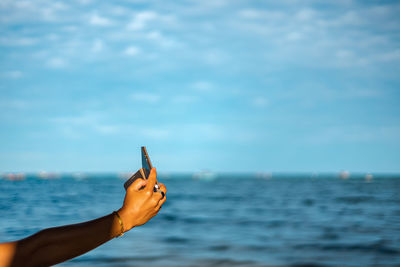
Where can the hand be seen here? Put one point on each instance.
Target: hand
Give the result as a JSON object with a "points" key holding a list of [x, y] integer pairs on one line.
{"points": [[141, 203]]}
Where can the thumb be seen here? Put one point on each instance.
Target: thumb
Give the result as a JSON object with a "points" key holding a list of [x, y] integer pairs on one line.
{"points": [[152, 179]]}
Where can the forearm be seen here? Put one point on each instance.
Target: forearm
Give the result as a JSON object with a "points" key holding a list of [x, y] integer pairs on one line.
{"points": [[55, 245], [58, 244]]}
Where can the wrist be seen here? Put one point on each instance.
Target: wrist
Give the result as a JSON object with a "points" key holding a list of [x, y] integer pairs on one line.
{"points": [[126, 219], [121, 224]]}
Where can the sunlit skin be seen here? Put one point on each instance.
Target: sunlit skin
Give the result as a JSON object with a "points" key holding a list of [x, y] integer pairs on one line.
{"points": [[54, 245]]}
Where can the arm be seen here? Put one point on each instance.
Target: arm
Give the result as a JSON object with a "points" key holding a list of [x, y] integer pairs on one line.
{"points": [[54, 245]]}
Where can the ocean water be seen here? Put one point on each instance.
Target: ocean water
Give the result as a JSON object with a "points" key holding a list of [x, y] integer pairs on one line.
{"points": [[233, 220]]}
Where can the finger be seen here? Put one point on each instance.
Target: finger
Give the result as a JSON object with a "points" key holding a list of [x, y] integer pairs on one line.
{"points": [[158, 195], [160, 203], [162, 190], [162, 187], [138, 184], [151, 181]]}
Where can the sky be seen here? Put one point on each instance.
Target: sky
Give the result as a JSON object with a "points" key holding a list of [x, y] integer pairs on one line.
{"points": [[225, 86]]}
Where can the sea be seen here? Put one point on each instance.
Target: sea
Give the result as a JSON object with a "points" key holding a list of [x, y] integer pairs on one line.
{"points": [[221, 220]]}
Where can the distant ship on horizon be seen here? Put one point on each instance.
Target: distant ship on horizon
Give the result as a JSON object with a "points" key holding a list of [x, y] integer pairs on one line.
{"points": [[205, 175]]}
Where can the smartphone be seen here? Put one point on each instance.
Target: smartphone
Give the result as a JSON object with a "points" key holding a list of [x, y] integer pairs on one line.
{"points": [[146, 163], [144, 172]]}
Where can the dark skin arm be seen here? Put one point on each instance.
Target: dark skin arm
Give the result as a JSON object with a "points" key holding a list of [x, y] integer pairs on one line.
{"points": [[54, 245]]}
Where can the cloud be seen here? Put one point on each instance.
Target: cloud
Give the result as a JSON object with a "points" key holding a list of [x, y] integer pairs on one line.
{"points": [[154, 133], [261, 14], [289, 57], [309, 35], [250, 13], [51, 11], [214, 57], [294, 36], [202, 86], [107, 129], [353, 134], [97, 46], [323, 93], [84, 2], [56, 63], [161, 39], [306, 14], [18, 41], [80, 119], [131, 50], [152, 21], [97, 20], [14, 104], [389, 56], [260, 102], [141, 20], [84, 124], [12, 74]]}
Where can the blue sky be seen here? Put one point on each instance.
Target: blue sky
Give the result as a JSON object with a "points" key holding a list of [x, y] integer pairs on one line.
{"points": [[218, 85]]}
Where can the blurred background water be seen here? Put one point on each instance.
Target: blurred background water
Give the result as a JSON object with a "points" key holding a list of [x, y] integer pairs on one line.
{"points": [[226, 220]]}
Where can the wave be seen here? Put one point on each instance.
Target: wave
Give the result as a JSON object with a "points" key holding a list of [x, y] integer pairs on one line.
{"points": [[355, 199], [374, 247]]}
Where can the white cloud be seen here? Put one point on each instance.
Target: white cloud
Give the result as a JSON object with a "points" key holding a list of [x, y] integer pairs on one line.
{"points": [[353, 134], [80, 119], [14, 104], [161, 39], [294, 36], [260, 102], [107, 129], [141, 20], [12, 74], [56, 63], [250, 13], [344, 54], [97, 46], [322, 93], [69, 131], [214, 57], [202, 86], [51, 11], [131, 51], [84, 2], [97, 20], [18, 41], [85, 123], [389, 56], [258, 14], [305, 14], [154, 133], [119, 10], [24, 4], [152, 21]]}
